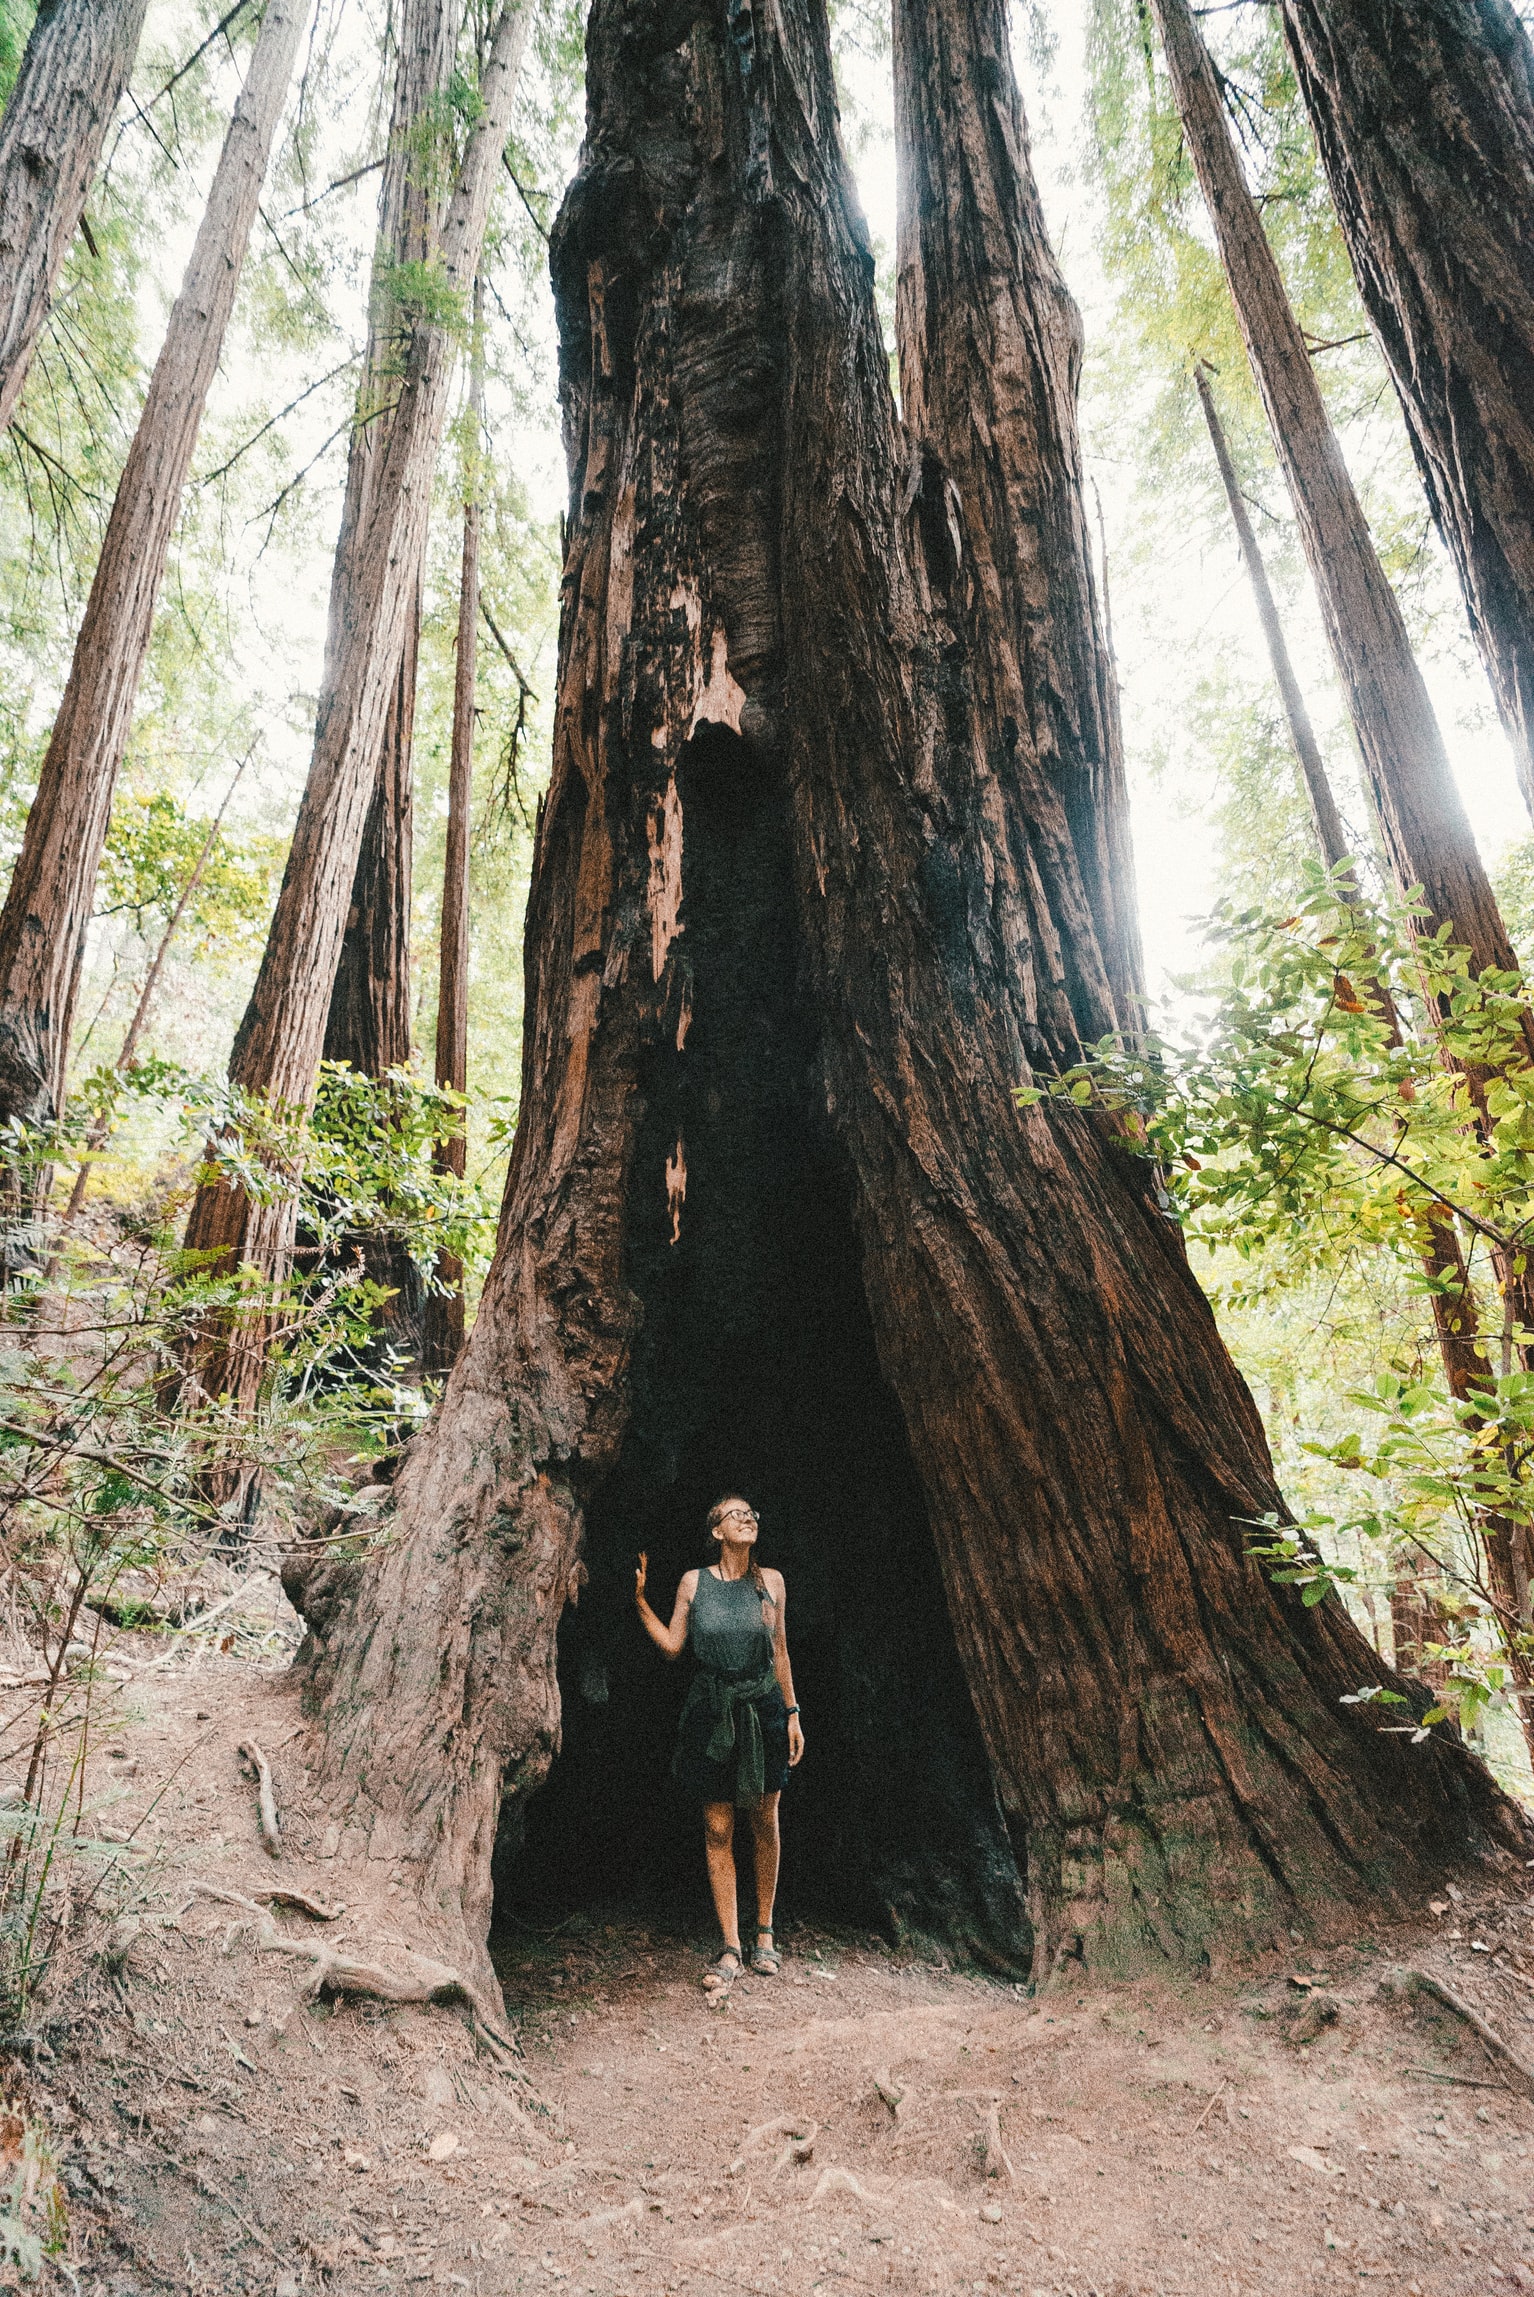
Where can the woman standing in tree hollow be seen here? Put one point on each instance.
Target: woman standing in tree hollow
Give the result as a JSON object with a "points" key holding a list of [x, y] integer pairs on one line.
{"points": [[740, 1733]]}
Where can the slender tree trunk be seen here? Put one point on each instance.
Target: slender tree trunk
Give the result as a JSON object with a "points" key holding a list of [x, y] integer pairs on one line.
{"points": [[369, 1019], [1427, 833], [444, 1309], [280, 1040], [1318, 788], [1454, 1304], [773, 1215], [1425, 119], [48, 906], [77, 62]]}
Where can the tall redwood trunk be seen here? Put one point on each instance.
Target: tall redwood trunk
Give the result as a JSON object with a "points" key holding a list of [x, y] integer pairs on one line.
{"points": [[444, 1308], [1425, 119], [990, 353], [1454, 1304], [48, 906], [278, 1045], [773, 1217], [1422, 817], [77, 61], [369, 1019]]}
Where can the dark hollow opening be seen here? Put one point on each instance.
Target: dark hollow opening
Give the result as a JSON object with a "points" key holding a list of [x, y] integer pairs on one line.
{"points": [[755, 1371]]}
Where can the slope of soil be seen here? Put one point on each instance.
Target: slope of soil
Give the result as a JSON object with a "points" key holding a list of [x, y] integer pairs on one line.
{"points": [[866, 2121]]}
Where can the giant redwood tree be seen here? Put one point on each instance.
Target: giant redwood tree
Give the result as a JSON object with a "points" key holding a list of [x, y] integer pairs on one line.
{"points": [[1425, 119], [78, 58], [774, 1217]]}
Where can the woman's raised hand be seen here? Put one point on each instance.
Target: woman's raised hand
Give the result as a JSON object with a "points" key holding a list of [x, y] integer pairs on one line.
{"points": [[640, 1576]]}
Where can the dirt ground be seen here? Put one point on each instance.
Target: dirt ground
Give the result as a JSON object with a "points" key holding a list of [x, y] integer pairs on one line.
{"points": [[865, 2121]]}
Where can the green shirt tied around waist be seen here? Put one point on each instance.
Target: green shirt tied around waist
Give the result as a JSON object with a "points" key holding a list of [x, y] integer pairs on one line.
{"points": [[732, 1644]]}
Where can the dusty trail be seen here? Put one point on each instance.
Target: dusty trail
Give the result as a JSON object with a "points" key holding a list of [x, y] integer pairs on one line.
{"points": [[864, 2122]]}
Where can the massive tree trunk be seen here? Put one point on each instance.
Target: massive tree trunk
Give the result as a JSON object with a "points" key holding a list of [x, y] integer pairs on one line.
{"points": [[281, 1037], [1425, 119], [774, 1218], [1422, 817], [48, 906], [77, 61]]}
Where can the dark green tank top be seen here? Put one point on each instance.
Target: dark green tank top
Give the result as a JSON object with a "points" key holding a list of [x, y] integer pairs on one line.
{"points": [[729, 1634]]}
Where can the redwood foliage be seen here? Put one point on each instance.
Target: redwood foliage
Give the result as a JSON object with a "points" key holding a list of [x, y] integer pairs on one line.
{"points": [[772, 1200]]}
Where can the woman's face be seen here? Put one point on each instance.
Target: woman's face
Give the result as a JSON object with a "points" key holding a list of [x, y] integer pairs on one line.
{"points": [[736, 1522]]}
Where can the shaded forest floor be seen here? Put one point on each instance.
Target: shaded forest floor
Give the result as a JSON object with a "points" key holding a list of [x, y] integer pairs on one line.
{"points": [[828, 2131]]}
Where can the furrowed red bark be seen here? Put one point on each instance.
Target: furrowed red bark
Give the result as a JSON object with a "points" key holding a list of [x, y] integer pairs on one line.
{"points": [[990, 354], [1422, 817], [281, 1037], [772, 1207], [78, 58], [48, 906], [369, 1019], [444, 1308], [1425, 120]]}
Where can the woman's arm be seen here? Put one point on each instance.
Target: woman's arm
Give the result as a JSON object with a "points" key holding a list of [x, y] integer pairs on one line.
{"points": [[780, 1663], [666, 1639]]}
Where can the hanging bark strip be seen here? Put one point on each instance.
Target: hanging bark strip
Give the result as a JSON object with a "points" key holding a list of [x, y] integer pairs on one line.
{"points": [[280, 1039], [1422, 817], [764, 652], [1425, 120], [76, 66], [48, 906], [990, 354], [444, 1309]]}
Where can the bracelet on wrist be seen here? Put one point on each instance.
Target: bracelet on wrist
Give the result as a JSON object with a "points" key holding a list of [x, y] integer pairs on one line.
{"points": [[791, 1710]]}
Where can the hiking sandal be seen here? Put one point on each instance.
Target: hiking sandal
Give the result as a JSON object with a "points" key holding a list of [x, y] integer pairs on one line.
{"points": [[722, 1973], [765, 1960]]}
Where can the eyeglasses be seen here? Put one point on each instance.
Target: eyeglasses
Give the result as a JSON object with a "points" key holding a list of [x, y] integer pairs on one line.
{"points": [[738, 1515]]}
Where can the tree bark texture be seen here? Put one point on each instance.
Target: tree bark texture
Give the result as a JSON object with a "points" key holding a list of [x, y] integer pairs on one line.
{"points": [[281, 1037], [773, 1216], [78, 58], [1422, 817], [1425, 120], [369, 1019], [444, 1309], [48, 906], [990, 355]]}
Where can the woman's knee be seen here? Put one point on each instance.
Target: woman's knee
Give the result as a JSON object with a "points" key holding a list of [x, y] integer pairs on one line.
{"points": [[719, 1824], [764, 1818]]}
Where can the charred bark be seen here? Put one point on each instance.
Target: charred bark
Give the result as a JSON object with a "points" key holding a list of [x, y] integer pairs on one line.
{"points": [[78, 58], [47, 908], [771, 1193], [1422, 817], [1425, 119], [281, 1037]]}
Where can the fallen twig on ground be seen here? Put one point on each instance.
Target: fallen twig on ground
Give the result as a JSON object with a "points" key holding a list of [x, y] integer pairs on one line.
{"points": [[271, 1832], [302, 1901], [1408, 1982]]}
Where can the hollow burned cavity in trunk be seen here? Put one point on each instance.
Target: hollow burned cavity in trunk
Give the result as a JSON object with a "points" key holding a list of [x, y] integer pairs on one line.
{"points": [[754, 1370]]}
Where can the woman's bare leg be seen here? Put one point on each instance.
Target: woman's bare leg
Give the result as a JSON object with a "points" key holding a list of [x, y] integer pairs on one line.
{"points": [[719, 1850], [764, 1835]]}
